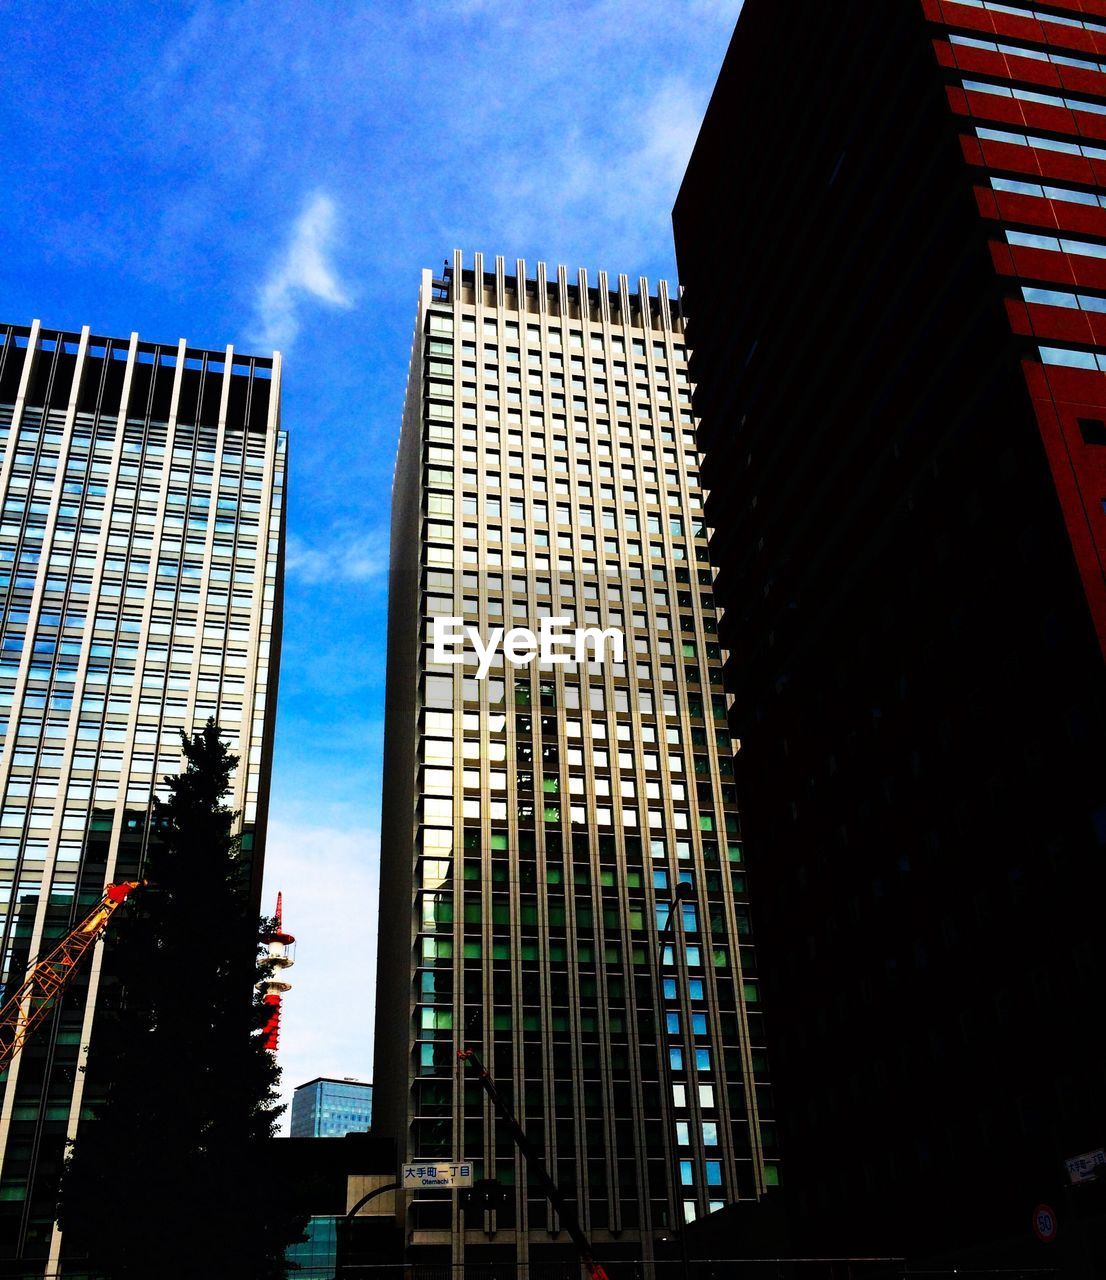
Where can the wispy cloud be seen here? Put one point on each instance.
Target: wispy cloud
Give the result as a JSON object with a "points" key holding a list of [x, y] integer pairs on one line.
{"points": [[190, 230], [302, 271], [670, 127], [607, 183], [343, 554]]}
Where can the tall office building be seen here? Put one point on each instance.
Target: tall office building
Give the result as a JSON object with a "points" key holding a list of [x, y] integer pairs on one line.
{"points": [[329, 1108], [141, 535], [903, 424], [538, 820]]}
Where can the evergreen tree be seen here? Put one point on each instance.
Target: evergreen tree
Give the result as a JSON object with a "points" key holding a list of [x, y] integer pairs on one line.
{"points": [[170, 1177]]}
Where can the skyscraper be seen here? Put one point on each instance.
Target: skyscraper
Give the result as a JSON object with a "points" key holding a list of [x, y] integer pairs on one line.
{"points": [[329, 1108], [538, 816], [141, 535], [902, 405]]}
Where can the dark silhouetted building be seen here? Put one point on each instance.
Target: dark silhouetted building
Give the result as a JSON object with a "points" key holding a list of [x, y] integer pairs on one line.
{"points": [[892, 236]]}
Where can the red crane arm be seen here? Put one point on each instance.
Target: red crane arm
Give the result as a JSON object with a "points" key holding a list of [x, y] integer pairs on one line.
{"points": [[30, 1003]]}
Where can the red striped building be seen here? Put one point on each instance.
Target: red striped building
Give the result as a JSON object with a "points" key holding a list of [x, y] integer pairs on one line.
{"points": [[1028, 87], [892, 242]]}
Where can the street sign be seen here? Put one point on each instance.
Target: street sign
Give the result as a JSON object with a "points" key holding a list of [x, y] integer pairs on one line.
{"points": [[1044, 1223], [436, 1173], [1085, 1168]]}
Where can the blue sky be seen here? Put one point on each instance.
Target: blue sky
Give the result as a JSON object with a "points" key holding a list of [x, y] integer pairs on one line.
{"points": [[276, 175]]}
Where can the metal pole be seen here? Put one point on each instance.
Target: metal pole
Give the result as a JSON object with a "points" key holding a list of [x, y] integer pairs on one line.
{"points": [[536, 1165], [345, 1223], [681, 893]]}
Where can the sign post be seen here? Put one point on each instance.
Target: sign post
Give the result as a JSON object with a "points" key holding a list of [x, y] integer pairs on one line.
{"points": [[1086, 1168], [448, 1174]]}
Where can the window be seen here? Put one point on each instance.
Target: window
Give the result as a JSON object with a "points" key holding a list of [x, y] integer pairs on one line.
{"points": [[1019, 51], [1029, 95], [1072, 359], [1093, 430], [1030, 240], [1044, 144]]}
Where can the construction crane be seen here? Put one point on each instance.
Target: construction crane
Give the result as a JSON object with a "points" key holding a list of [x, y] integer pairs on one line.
{"points": [[28, 1006], [536, 1165]]}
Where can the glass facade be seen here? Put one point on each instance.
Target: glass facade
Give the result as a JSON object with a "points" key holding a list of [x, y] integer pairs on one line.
{"points": [[141, 535], [539, 819], [331, 1108], [316, 1258]]}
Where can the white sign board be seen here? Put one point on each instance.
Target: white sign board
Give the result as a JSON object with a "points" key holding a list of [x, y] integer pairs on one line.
{"points": [[1085, 1168], [436, 1173]]}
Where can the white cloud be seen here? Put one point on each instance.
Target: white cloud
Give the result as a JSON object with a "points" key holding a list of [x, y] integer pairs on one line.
{"points": [[329, 875], [303, 271], [617, 182], [724, 11], [341, 555], [670, 127]]}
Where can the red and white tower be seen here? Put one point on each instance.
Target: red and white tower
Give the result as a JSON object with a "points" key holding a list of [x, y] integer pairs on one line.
{"points": [[282, 955]]}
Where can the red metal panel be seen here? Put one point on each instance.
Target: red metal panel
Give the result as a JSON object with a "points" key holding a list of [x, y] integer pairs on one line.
{"points": [[1060, 324], [1010, 155], [991, 63], [1088, 272], [988, 107], [1067, 168], [965, 19], [1084, 389], [1077, 40], [986, 203], [1092, 84], [1032, 71], [942, 50], [1035, 377], [972, 151], [1037, 115], [1044, 164], [958, 100], [1015, 26], [1079, 475], [1034, 210], [1043, 264], [1001, 257], [1053, 215], [1087, 218], [1018, 315], [1090, 125]]}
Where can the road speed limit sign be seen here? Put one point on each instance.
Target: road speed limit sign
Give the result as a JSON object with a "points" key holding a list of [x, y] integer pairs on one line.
{"points": [[1044, 1223]]}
